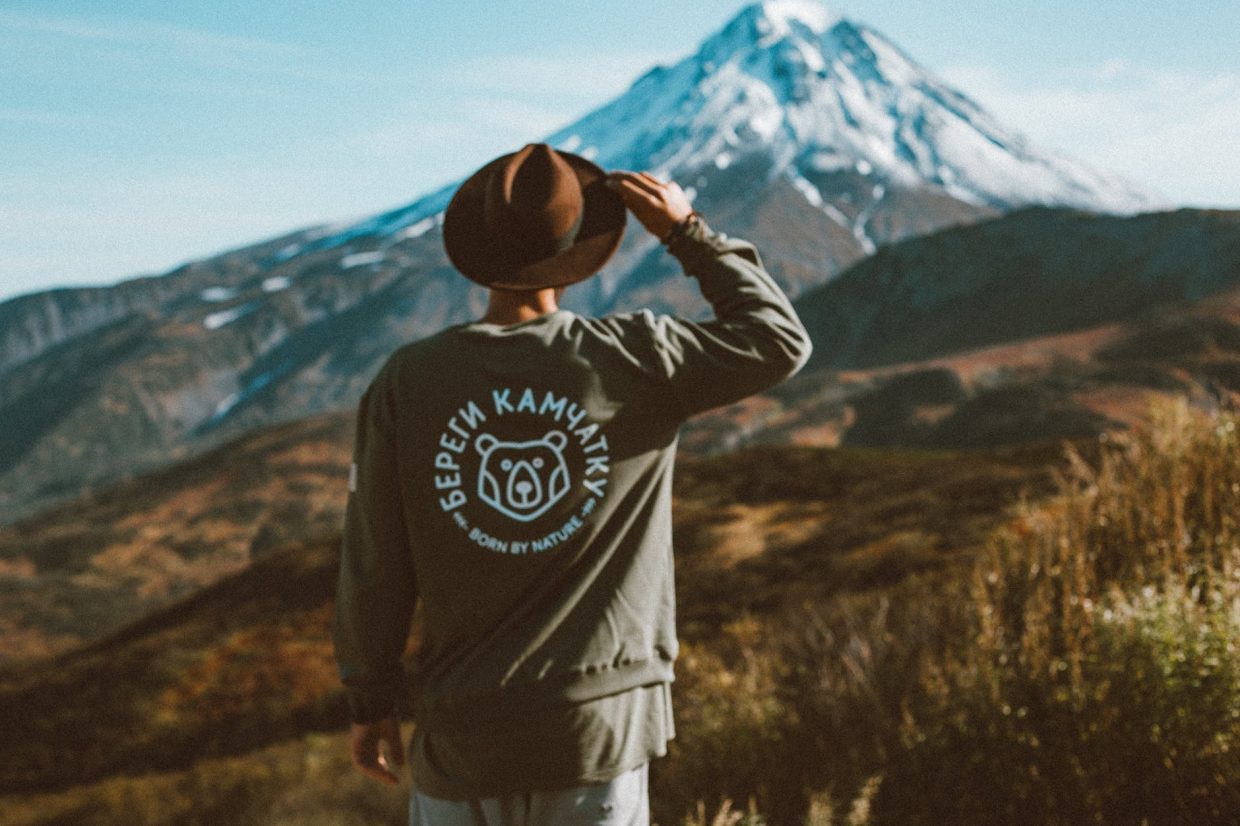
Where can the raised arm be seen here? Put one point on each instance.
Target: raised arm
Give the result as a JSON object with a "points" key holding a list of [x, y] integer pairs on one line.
{"points": [[755, 340]]}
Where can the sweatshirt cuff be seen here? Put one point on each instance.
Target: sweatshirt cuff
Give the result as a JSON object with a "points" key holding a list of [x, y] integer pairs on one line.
{"points": [[373, 703], [694, 245]]}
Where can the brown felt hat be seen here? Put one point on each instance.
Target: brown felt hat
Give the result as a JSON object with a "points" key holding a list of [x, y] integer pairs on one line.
{"points": [[531, 219]]}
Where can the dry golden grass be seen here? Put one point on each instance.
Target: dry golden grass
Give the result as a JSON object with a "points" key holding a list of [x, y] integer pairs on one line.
{"points": [[739, 531], [1085, 668], [307, 781], [1099, 678]]}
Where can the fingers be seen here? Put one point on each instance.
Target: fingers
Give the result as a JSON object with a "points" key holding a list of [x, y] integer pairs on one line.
{"points": [[644, 189], [649, 183], [365, 740], [377, 771], [644, 180], [656, 204], [396, 747], [634, 185], [375, 767], [646, 176]]}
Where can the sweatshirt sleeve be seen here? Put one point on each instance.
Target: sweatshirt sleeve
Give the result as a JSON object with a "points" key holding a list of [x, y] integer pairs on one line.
{"points": [[376, 590], [755, 340]]}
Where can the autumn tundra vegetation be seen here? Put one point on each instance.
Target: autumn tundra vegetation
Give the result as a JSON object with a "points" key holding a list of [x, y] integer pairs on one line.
{"points": [[871, 636], [1083, 668]]}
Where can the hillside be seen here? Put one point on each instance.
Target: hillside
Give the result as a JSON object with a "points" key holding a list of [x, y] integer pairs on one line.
{"points": [[867, 634], [829, 596], [245, 663], [73, 572], [1035, 272], [1043, 324]]}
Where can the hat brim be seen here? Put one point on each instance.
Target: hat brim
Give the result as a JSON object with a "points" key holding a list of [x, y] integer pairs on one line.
{"points": [[475, 254]]}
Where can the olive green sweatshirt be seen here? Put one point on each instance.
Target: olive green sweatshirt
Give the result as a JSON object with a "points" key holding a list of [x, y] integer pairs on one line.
{"points": [[517, 480]]}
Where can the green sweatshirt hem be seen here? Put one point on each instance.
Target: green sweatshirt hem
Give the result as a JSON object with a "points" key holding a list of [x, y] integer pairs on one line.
{"points": [[574, 687]]}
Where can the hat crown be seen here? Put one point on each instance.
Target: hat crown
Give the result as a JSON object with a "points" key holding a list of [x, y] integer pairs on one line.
{"points": [[531, 219], [533, 204]]}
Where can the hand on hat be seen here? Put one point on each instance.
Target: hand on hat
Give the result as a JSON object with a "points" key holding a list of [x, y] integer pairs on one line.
{"points": [[657, 205]]}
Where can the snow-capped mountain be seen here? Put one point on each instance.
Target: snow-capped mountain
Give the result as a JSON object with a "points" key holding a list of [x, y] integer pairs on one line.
{"points": [[831, 106], [823, 103], [822, 94], [808, 133]]}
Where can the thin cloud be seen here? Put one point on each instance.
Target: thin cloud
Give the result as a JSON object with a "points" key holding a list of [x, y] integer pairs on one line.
{"points": [[478, 120], [449, 144], [583, 77], [142, 32], [1173, 131], [138, 44], [23, 116], [488, 105]]}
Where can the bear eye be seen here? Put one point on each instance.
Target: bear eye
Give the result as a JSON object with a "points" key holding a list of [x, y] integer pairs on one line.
{"points": [[506, 464], [538, 462]]}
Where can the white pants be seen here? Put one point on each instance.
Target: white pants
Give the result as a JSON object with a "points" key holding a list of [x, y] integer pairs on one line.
{"points": [[622, 801]]}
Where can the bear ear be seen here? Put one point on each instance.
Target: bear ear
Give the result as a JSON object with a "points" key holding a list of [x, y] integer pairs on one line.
{"points": [[556, 439], [484, 443]]}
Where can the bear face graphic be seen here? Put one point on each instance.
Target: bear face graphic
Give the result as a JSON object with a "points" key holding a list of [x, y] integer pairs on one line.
{"points": [[522, 480]]}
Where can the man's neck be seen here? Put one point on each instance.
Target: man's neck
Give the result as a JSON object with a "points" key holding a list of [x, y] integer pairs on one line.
{"points": [[511, 307]]}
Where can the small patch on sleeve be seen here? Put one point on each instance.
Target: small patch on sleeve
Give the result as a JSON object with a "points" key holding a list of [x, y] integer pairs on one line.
{"points": [[353, 477]]}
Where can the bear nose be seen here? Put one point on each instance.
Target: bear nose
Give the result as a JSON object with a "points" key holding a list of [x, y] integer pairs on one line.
{"points": [[524, 489]]}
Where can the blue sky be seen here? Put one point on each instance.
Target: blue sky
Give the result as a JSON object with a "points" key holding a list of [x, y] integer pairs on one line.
{"points": [[137, 134]]}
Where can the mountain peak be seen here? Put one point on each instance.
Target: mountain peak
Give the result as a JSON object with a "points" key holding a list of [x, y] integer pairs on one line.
{"points": [[777, 18], [762, 25], [813, 97]]}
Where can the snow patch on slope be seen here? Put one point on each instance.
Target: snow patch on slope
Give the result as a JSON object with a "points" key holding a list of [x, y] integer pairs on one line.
{"points": [[815, 198], [415, 230], [230, 401], [785, 15], [361, 259], [214, 321], [214, 294]]}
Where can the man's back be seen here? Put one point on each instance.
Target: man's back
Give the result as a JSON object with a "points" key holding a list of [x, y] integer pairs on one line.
{"points": [[537, 460], [517, 479]]}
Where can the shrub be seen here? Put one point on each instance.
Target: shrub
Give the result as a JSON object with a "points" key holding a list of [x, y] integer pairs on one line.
{"points": [[732, 729], [1100, 683]]}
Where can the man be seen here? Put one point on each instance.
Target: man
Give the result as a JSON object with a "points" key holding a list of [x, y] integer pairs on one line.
{"points": [[514, 475]]}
